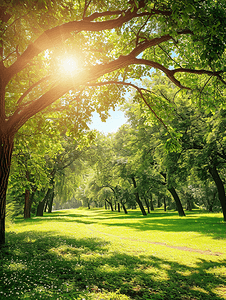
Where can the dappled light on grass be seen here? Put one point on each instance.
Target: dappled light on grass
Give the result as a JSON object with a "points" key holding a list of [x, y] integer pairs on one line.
{"points": [[84, 256]]}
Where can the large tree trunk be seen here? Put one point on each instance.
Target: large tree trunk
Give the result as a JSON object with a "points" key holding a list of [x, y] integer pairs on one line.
{"points": [[6, 148], [40, 209], [220, 189], [50, 195], [138, 198], [177, 201]]}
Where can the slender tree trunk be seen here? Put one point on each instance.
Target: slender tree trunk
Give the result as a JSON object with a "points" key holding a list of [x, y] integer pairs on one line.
{"points": [[138, 198], [124, 208], [105, 205], [151, 203], [111, 206], [177, 201], [41, 205], [220, 189], [118, 207], [6, 148], [164, 201], [147, 204], [45, 207], [176, 198], [50, 201]]}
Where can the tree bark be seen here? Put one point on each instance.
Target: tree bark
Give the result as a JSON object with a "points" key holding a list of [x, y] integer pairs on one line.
{"points": [[6, 148], [138, 198], [118, 207], [220, 188], [177, 201]]}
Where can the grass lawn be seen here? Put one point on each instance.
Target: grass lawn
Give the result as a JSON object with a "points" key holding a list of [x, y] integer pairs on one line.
{"points": [[96, 254]]}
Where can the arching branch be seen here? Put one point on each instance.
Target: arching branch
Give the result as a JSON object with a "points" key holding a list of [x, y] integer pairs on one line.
{"points": [[139, 91], [55, 36]]}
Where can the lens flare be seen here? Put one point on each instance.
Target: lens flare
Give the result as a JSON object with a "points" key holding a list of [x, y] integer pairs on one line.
{"points": [[69, 65]]}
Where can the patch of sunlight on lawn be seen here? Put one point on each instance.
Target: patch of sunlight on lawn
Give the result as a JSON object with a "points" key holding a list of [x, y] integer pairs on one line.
{"points": [[220, 291]]}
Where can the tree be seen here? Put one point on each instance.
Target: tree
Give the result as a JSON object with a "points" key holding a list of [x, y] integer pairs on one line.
{"points": [[30, 83], [150, 141]]}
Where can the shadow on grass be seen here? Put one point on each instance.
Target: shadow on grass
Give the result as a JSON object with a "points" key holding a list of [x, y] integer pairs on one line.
{"points": [[161, 221], [47, 266]]}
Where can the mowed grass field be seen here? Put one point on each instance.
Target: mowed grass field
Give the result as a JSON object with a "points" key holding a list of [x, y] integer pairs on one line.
{"points": [[97, 254]]}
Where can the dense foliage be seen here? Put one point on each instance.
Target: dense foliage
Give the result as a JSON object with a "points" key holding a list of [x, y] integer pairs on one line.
{"points": [[113, 42]]}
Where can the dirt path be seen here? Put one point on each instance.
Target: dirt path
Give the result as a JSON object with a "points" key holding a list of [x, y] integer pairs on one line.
{"points": [[206, 252]]}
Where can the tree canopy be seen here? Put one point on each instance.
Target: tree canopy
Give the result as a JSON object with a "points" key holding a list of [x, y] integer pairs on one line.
{"points": [[107, 44]]}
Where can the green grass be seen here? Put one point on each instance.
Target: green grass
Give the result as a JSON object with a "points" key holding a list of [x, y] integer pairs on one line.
{"points": [[96, 254]]}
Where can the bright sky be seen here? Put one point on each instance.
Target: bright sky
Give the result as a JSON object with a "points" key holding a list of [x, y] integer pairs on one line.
{"points": [[111, 125]]}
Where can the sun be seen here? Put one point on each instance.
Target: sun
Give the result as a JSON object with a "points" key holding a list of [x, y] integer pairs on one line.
{"points": [[68, 65]]}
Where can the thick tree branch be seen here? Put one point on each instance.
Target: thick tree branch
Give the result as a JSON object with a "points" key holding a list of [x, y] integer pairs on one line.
{"points": [[198, 72], [59, 34], [92, 74], [169, 73]]}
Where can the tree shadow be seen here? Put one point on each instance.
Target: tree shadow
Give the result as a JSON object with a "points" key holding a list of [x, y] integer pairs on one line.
{"points": [[211, 226], [47, 265], [160, 221]]}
